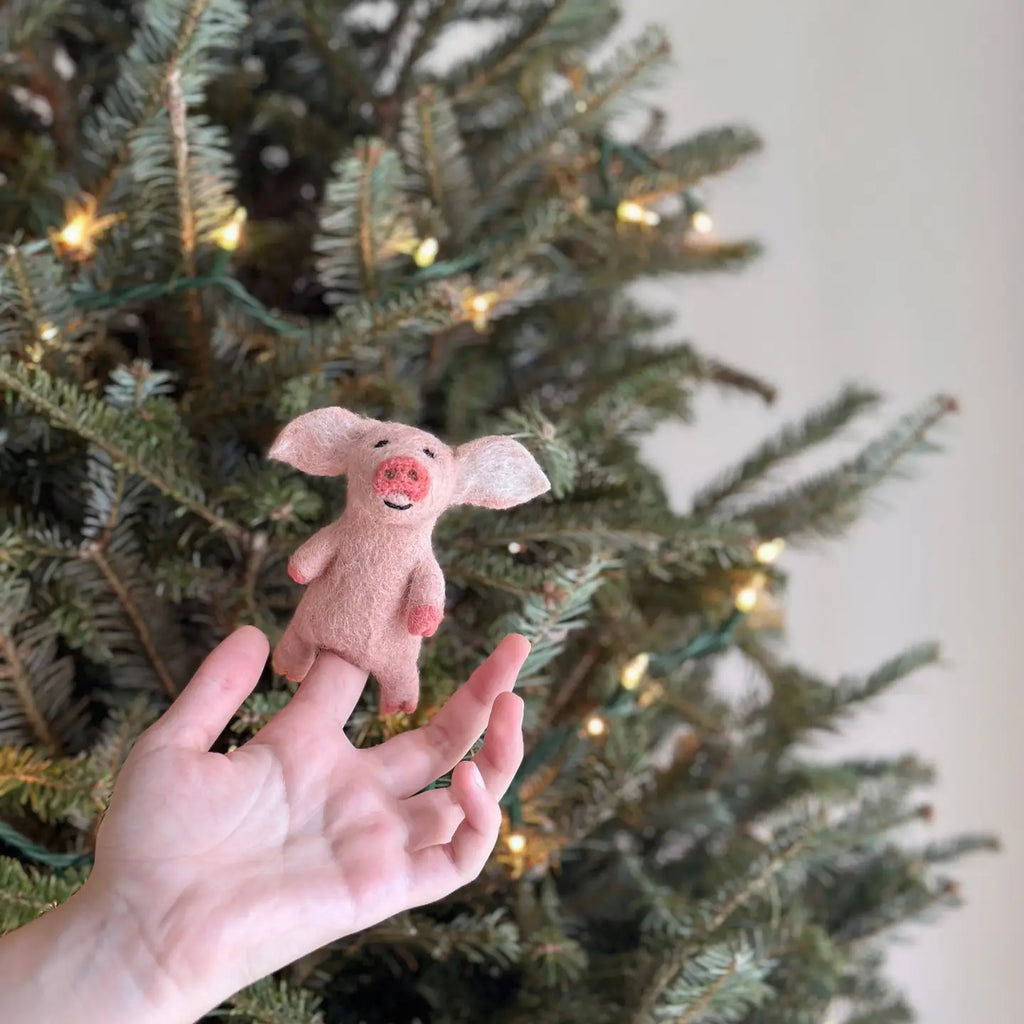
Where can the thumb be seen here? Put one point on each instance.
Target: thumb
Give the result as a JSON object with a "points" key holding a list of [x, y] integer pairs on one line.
{"points": [[203, 709]]}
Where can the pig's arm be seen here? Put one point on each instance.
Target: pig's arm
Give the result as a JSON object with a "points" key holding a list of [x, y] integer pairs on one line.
{"points": [[314, 556], [424, 601]]}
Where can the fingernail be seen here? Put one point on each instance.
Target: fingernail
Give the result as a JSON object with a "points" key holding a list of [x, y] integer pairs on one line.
{"points": [[478, 779]]}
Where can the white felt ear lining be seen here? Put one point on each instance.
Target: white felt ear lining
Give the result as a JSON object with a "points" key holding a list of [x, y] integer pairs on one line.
{"points": [[497, 472], [318, 442]]}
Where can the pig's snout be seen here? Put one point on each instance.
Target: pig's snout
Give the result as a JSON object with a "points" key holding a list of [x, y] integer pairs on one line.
{"points": [[401, 481]]}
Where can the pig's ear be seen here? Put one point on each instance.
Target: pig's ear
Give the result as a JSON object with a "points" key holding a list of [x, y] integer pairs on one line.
{"points": [[318, 442], [496, 472]]}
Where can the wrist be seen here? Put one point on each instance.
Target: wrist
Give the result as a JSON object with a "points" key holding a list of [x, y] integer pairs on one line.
{"points": [[89, 960]]}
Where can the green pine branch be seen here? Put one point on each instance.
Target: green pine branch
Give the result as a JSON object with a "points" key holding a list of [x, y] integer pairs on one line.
{"points": [[22, 22], [122, 728], [426, 31], [364, 222], [35, 685], [828, 503], [54, 789], [541, 28], [527, 142], [708, 153], [435, 160], [712, 915], [335, 48], [541, 225], [722, 982], [122, 575], [190, 178], [638, 252], [802, 703], [944, 851], [129, 441], [174, 34], [819, 426], [490, 938], [36, 312], [257, 710], [548, 619], [270, 1001], [27, 893]]}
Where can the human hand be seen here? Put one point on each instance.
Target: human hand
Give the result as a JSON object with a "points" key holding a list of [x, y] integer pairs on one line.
{"points": [[233, 865]]}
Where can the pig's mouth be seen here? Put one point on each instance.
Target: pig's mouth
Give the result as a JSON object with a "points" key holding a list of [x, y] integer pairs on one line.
{"points": [[401, 502]]}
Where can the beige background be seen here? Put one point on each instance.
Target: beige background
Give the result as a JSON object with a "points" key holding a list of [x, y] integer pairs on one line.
{"points": [[890, 199]]}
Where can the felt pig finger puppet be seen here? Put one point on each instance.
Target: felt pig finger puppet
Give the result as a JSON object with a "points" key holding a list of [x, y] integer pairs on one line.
{"points": [[374, 588]]}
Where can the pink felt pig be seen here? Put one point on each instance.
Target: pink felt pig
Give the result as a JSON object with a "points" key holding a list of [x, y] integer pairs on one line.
{"points": [[374, 587]]}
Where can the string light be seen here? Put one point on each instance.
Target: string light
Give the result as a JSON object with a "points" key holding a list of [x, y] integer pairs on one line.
{"points": [[83, 228], [515, 548], [596, 726], [516, 842], [634, 670], [769, 550], [747, 598], [229, 235], [630, 211], [47, 331], [426, 252], [702, 223], [479, 305], [581, 106]]}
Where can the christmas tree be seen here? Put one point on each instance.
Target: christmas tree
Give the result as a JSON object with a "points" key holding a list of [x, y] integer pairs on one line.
{"points": [[218, 215]]}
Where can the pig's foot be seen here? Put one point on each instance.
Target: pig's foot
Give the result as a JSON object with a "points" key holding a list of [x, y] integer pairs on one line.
{"points": [[293, 656], [399, 692]]}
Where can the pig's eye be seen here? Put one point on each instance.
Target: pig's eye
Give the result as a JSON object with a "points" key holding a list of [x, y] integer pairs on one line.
{"points": [[380, 444], [429, 453]]}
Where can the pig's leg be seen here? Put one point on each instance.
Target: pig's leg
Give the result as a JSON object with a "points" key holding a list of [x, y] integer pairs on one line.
{"points": [[293, 656], [399, 687]]}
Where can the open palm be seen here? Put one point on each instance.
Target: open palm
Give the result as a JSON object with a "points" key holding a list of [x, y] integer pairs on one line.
{"points": [[253, 858]]}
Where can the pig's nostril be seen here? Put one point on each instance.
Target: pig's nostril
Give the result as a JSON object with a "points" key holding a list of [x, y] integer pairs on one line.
{"points": [[390, 474], [413, 475]]}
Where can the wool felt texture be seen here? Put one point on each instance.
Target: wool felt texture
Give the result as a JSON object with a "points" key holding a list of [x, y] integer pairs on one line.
{"points": [[374, 588]]}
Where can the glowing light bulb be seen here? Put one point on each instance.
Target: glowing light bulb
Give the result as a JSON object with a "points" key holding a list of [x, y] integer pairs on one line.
{"points": [[702, 223], [516, 842], [630, 211], [596, 726], [48, 331], [481, 303], [581, 106], [73, 233], [79, 235], [229, 235], [634, 671], [769, 550], [426, 252], [746, 599], [652, 218], [515, 548]]}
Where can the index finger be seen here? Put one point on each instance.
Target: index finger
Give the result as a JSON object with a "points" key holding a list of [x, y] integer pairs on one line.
{"points": [[412, 760]]}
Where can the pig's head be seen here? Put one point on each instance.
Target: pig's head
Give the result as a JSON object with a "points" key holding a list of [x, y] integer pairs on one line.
{"points": [[404, 476]]}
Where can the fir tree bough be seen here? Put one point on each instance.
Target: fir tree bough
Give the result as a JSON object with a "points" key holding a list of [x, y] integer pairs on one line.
{"points": [[446, 240]]}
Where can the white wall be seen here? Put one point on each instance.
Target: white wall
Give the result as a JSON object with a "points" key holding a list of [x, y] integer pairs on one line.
{"points": [[890, 199]]}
